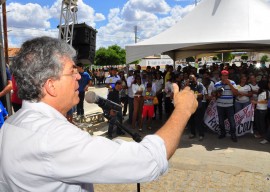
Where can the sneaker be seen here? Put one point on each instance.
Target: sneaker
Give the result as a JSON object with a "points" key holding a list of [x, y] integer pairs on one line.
{"points": [[257, 136], [264, 142], [201, 138], [234, 138], [191, 136]]}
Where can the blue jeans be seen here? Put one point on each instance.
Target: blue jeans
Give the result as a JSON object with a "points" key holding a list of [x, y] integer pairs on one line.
{"points": [[240, 106], [130, 109], [223, 113]]}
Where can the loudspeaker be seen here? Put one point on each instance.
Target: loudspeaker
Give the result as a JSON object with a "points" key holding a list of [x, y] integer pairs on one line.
{"points": [[84, 35], [85, 52], [84, 41]]}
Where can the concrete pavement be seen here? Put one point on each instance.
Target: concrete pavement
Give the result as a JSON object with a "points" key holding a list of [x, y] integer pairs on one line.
{"points": [[208, 165]]}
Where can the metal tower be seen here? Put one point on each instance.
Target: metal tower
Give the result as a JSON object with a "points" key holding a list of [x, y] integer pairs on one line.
{"points": [[68, 18]]}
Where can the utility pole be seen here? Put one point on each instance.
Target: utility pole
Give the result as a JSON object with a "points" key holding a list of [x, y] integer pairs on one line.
{"points": [[3, 75], [195, 2], [4, 11], [136, 31]]}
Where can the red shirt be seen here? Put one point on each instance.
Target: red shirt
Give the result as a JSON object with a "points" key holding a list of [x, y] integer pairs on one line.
{"points": [[14, 95]]}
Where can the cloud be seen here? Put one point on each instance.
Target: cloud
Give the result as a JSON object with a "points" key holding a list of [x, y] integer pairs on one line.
{"points": [[150, 19], [30, 20], [30, 15]]}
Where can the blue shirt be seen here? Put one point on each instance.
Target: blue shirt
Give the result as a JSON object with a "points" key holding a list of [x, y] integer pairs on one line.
{"points": [[85, 78], [3, 114]]}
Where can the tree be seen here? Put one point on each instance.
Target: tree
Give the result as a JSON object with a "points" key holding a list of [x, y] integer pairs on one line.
{"points": [[264, 59], [120, 52], [227, 57], [113, 55], [190, 59], [215, 58], [244, 57]]}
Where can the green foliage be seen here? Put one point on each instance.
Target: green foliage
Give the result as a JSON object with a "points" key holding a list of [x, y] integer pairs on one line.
{"points": [[264, 59], [190, 59], [244, 57], [113, 55], [215, 58], [227, 57]]}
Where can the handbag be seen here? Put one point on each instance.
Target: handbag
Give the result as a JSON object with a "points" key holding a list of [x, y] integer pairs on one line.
{"points": [[155, 101]]}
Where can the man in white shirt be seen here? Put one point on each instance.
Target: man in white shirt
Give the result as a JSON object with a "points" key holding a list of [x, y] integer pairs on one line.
{"points": [[41, 151]]}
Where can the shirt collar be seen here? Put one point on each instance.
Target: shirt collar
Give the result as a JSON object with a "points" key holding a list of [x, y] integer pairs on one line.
{"points": [[42, 108]]}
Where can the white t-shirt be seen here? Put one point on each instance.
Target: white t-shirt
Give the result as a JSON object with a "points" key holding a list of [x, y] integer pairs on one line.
{"points": [[254, 88], [261, 97], [245, 89]]}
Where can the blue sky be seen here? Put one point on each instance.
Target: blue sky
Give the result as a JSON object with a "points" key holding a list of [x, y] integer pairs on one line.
{"points": [[113, 19]]}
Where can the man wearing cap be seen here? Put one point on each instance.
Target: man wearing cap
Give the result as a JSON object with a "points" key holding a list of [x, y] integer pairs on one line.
{"points": [[224, 92]]}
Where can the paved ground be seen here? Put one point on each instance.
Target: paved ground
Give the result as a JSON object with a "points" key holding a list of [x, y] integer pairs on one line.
{"points": [[208, 165]]}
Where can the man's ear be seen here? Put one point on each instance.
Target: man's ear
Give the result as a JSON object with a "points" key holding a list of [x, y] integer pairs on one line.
{"points": [[50, 87]]}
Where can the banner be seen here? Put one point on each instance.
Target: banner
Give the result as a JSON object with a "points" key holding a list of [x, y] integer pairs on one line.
{"points": [[243, 119]]}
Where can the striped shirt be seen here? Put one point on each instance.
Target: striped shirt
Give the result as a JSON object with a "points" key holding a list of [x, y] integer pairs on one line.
{"points": [[226, 98]]}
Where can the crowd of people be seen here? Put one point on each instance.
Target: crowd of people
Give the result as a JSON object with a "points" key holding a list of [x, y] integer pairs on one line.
{"points": [[148, 94]]}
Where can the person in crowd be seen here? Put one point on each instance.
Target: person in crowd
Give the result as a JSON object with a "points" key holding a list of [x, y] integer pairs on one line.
{"points": [[124, 92], [16, 102], [169, 74], [56, 154], [3, 115], [137, 89], [224, 93], [84, 83], [244, 93], [112, 79], [168, 97], [215, 76], [254, 86], [138, 70], [5, 89], [148, 106], [130, 80], [195, 120], [267, 137], [260, 113], [102, 75], [115, 97], [159, 94]]}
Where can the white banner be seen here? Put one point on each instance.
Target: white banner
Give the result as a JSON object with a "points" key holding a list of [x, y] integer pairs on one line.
{"points": [[243, 119]]}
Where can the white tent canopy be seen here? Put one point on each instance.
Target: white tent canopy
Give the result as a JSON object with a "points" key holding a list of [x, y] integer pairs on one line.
{"points": [[213, 26]]}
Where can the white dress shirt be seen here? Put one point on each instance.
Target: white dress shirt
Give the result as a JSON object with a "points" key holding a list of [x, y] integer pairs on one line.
{"points": [[41, 151], [136, 88]]}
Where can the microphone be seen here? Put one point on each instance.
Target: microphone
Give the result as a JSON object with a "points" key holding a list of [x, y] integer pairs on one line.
{"points": [[105, 104]]}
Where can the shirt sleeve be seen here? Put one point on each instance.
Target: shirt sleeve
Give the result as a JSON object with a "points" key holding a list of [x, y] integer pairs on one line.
{"points": [[8, 74]]}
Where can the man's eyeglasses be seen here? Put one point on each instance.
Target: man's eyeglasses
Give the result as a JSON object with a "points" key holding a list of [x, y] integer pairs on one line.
{"points": [[74, 74]]}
